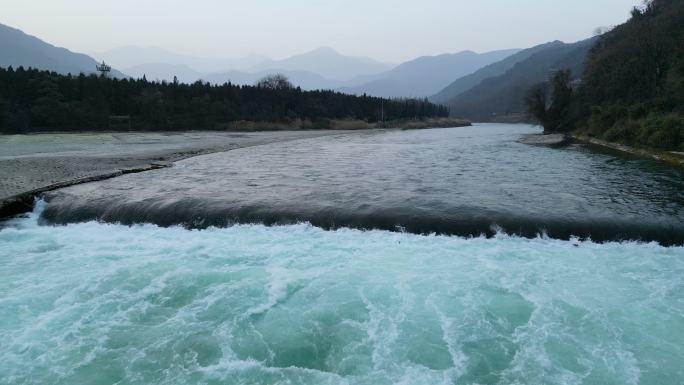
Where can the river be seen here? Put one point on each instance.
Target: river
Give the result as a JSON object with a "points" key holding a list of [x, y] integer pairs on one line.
{"points": [[446, 256]]}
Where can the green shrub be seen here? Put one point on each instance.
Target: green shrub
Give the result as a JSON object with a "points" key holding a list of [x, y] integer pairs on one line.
{"points": [[664, 132], [622, 131], [638, 111]]}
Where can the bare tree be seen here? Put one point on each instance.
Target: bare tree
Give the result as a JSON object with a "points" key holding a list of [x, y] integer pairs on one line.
{"points": [[275, 82], [598, 31]]}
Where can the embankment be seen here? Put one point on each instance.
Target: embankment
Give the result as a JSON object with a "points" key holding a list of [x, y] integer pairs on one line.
{"points": [[670, 157]]}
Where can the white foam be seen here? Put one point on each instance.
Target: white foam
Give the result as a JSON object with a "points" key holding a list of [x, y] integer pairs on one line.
{"points": [[296, 304]]}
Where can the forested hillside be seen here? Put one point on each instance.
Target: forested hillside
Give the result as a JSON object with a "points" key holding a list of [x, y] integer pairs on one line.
{"points": [[502, 97], [633, 87], [33, 100], [495, 69]]}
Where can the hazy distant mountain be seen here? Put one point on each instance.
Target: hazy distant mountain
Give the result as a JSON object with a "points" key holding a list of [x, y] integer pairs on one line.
{"points": [[306, 80], [133, 56], [496, 69], [309, 70], [302, 70], [19, 49], [163, 71], [503, 95], [426, 75], [326, 62], [158, 72]]}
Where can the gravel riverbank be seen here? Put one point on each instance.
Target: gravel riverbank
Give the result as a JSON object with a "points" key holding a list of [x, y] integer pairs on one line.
{"points": [[31, 164]]}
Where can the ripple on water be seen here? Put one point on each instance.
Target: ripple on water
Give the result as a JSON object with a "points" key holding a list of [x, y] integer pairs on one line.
{"points": [[459, 181]]}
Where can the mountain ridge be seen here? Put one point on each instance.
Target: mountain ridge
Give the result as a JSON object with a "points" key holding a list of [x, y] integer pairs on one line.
{"points": [[426, 75], [134, 56], [328, 63], [495, 69], [22, 49], [502, 96]]}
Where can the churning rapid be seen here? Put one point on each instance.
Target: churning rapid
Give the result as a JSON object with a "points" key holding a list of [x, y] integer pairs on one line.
{"points": [[97, 303], [199, 291], [462, 181]]}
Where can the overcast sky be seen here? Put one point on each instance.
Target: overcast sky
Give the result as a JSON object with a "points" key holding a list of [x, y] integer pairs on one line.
{"points": [[388, 30]]}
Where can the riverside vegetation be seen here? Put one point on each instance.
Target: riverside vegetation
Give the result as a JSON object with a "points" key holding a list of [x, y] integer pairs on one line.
{"points": [[632, 90], [33, 100]]}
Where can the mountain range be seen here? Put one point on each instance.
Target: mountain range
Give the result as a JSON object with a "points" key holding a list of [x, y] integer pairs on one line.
{"points": [[322, 68], [492, 70], [427, 75], [327, 63], [477, 86], [184, 74], [19, 49], [135, 56], [497, 91]]}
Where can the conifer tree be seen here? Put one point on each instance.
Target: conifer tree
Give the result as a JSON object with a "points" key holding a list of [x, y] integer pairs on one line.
{"points": [[42, 100]]}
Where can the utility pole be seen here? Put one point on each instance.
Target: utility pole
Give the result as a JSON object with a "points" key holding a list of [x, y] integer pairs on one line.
{"points": [[103, 69]]}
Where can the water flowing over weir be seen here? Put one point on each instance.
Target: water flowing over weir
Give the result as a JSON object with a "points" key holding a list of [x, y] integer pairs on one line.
{"points": [[465, 181], [96, 303], [212, 296]]}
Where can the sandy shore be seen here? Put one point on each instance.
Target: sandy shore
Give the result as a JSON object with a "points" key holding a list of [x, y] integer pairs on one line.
{"points": [[31, 164]]}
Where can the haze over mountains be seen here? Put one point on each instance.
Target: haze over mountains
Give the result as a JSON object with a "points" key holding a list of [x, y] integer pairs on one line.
{"points": [[497, 92], [184, 74], [495, 69], [478, 86], [20, 49], [328, 63], [322, 68], [427, 75], [133, 56]]}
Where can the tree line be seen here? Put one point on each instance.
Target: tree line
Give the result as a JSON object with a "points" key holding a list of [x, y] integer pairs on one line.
{"points": [[632, 90], [32, 100]]}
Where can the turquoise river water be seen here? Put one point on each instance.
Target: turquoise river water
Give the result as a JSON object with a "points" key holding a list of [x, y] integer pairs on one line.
{"points": [[374, 258], [96, 303]]}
